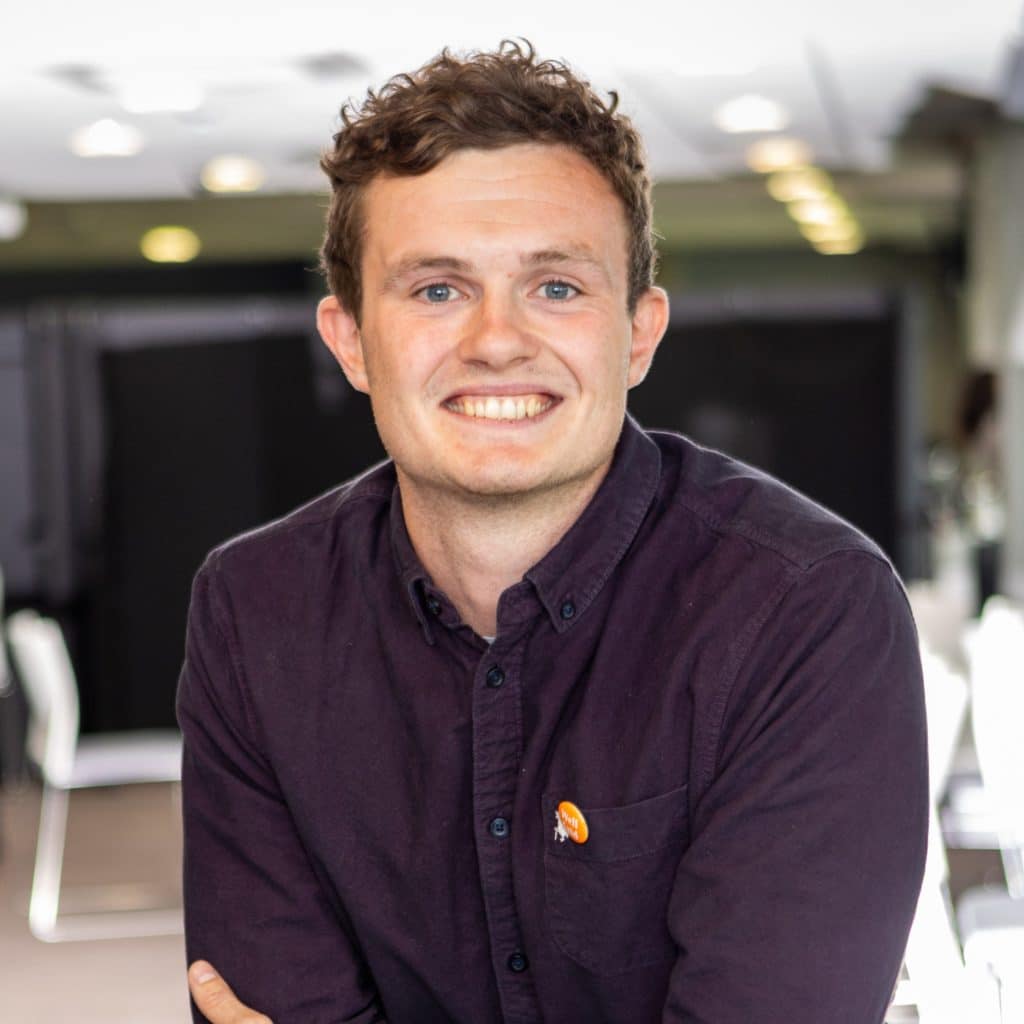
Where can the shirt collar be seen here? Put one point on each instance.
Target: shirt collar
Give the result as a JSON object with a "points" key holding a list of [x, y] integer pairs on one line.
{"points": [[572, 573], [568, 578]]}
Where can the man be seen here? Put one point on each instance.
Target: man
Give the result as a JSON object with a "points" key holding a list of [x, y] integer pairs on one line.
{"points": [[547, 718]]}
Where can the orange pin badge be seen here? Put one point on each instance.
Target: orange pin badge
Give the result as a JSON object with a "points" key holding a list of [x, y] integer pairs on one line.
{"points": [[570, 823]]}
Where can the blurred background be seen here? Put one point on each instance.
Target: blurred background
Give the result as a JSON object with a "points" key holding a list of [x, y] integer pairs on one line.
{"points": [[840, 200]]}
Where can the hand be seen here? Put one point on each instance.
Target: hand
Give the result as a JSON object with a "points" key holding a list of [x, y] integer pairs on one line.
{"points": [[216, 1002]]}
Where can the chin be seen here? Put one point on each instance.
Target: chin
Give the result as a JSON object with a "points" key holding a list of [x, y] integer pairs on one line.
{"points": [[491, 485], [510, 482]]}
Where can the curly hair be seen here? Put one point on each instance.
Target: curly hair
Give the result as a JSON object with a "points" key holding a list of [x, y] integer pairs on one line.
{"points": [[483, 100]]}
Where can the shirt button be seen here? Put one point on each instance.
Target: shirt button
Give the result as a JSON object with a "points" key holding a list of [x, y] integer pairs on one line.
{"points": [[495, 677], [517, 962], [434, 605], [568, 610], [499, 828]]}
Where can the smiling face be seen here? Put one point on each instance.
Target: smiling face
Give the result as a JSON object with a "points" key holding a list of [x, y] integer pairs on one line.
{"points": [[495, 340]]}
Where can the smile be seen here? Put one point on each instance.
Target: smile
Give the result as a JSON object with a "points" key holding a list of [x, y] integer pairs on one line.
{"points": [[507, 407]]}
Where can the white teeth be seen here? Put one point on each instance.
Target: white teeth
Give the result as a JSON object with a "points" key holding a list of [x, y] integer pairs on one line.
{"points": [[506, 408]]}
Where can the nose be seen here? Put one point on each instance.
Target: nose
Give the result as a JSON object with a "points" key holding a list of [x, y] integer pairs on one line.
{"points": [[497, 334]]}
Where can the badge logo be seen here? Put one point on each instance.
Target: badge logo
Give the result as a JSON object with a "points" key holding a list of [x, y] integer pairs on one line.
{"points": [[570, 823]]}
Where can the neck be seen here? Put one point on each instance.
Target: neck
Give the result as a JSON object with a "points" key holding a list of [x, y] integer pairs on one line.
{"points": [[475, 548]]}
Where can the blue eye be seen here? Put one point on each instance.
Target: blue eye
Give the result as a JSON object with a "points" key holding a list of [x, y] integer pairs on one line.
{"points": [[558, 290], [438, 292]]}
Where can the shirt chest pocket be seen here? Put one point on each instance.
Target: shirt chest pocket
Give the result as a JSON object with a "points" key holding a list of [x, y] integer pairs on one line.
{"points": [[607, 899]]}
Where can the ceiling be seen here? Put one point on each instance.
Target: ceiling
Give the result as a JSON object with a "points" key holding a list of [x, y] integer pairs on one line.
{"points": [[272, 79]]}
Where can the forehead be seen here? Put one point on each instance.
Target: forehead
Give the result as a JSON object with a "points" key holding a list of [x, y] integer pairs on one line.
{"points": [[515, 198]]}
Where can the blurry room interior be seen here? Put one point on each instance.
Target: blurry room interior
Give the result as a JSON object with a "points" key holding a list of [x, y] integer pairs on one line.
{"points": [[840, 199]]}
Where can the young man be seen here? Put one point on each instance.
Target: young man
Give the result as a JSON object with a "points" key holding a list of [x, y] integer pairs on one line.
{"points": [[547, 718]]}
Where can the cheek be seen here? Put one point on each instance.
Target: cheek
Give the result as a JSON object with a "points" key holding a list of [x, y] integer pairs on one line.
{"points": [[402, 374], [602, 366]]}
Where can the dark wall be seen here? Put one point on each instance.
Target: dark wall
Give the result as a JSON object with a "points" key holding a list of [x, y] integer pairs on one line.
{"points": [[166, 280], [205, 441], [811, 401], [147, 451]]}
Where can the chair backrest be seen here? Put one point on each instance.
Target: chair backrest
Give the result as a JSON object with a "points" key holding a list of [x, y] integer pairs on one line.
{"points": [[941, 613], [995, 652], [45, 672], [946, 698], [933, 959]]}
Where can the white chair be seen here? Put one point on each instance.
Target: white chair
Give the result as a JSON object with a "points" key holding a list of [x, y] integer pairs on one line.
{"points": [[991, 919], [938, 984], [995, 654], [941, 612], [66, 763]]}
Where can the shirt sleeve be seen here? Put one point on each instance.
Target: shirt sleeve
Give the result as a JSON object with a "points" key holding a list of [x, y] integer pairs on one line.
{"points": [[254, 906], [793, 902]]}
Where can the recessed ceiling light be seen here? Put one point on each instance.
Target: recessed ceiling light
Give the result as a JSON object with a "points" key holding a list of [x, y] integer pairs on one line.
{"points": [[157, 93], [170, 244], [106, 138], [13, 218], [799, 183], [778, 154], [751, 113], [840, 231], [840, 248], [830, 210], [232, 174]]}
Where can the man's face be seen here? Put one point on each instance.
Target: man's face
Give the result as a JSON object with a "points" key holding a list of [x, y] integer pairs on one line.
{"points": [[495, 343]]}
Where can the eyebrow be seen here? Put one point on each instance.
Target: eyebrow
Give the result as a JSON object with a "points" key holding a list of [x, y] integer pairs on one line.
{"points": [[414, 264], [577, 254], [418, 262]]}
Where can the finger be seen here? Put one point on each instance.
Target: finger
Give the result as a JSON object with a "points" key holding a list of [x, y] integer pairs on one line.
{"points": [[216, 1002]]}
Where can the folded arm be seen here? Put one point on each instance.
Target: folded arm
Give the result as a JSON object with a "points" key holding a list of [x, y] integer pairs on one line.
{"points": [[254, 905], [793, 903]]}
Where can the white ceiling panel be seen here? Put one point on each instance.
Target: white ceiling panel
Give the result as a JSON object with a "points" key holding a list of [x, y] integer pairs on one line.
{"points": [[846, 72]]}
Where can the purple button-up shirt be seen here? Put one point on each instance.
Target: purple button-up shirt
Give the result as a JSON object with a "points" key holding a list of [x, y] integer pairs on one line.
{"points": [[722, 677]]}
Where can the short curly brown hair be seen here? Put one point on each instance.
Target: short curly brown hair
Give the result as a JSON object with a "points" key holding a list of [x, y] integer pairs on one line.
{"points": [[483, 100]]}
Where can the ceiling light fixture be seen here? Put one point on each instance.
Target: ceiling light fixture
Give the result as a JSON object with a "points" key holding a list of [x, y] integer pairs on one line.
{"points": [[811, 200], [799, 183], [232, 174], [170, 244], [841, 231], [751, 113], [830, 210], [106, 138], [157, 93], [778, 154], [13, 218], [840, 248]]}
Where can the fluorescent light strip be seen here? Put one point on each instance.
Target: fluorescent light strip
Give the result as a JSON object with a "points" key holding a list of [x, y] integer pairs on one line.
{"points": [[106, 138], [751, 113]]}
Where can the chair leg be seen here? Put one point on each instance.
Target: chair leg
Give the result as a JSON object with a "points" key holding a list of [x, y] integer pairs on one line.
{"points": [[45, 898], [44, 903], [1013, 868]]}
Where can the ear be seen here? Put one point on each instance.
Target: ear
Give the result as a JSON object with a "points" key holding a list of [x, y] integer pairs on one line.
{"points": [[649, 323], [341, 335]]}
